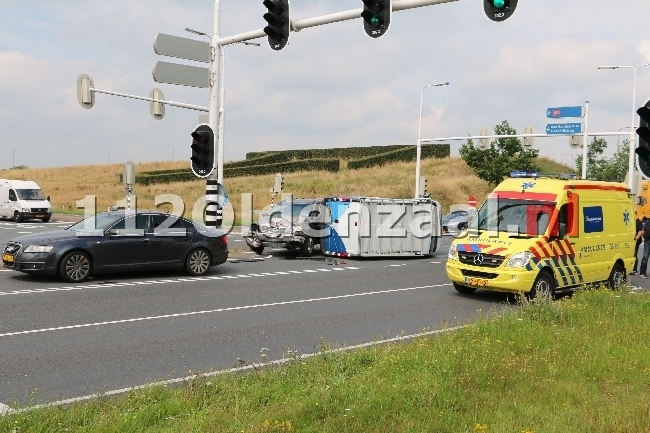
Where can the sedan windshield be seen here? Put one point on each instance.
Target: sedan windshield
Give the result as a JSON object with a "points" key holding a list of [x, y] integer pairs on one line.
{"points": [[516, 217], [30, 194], [101, 221]]}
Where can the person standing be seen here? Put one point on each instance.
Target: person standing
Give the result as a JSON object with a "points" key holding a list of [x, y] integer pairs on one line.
{"points": [[638, 237], [646, 247]]}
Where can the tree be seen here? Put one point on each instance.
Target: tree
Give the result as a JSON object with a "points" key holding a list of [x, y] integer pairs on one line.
{"points": [[599, 167], [503, 156]]}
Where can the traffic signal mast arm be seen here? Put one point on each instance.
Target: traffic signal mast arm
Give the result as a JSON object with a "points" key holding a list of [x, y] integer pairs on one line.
{"points": [[478, 137], [296, 26], [162, 101]]}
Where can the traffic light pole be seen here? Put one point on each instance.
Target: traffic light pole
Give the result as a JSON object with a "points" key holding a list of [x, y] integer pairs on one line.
{"points": [[213, 212]]}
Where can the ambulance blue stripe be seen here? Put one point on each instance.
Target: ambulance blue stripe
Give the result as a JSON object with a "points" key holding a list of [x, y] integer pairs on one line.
{"points": [[560, 270]]}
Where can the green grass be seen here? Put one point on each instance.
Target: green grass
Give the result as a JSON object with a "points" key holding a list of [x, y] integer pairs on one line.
{"points": [[579, 364]]}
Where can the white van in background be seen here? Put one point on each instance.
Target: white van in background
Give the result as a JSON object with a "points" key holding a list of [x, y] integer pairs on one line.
{"points": [[23, 199]]}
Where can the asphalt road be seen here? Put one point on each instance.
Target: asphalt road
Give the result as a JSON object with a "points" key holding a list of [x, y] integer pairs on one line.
{"points": [[60, 341]]}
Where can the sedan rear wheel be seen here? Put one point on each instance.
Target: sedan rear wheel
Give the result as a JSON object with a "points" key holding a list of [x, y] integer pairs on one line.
{"points": [[198, 262], [75, 267]]}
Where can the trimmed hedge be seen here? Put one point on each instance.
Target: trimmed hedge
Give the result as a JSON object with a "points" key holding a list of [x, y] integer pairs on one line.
{"points": [[346, 153], [251, 170], [405, 154]]}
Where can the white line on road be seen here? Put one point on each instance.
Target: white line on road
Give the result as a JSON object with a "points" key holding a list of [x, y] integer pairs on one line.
{"points": [[146, 283], [397, 339], [436, 263], [219, 310]]}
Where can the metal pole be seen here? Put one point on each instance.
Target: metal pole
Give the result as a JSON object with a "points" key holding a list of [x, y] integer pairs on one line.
{"points": [[213, 211], [418, 153], [13, 159], [586, 141], [630, 167], [222, 112]]}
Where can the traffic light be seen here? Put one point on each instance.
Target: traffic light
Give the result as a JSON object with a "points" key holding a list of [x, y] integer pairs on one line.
{"points": [[499, 10], [643, 148], [279, 23], [423, 187], [376, 17], [202, 151], [278, 185]]}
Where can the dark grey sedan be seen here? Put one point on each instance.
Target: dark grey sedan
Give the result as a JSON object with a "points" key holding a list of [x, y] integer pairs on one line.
{"points": [[118, 242]]}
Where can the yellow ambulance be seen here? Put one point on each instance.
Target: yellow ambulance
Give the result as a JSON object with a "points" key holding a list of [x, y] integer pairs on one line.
{"points": [[546, 234]]}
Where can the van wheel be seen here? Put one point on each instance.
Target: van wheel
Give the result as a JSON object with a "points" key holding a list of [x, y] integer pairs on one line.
{"points": [[617, 278], [307, 248], [17, 217], [544, 286], [198, 262], [464, 289], [75, 267]]}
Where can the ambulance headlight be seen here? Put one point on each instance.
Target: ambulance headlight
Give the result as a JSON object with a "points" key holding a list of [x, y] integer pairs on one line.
{"points": [[519, 260], [452, 252]]}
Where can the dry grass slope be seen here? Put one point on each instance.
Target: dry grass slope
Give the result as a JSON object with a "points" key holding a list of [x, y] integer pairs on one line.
{"points": [[450, 181]]}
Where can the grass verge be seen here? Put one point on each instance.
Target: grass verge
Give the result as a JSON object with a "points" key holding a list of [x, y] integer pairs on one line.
{"points": [[579, 364]]}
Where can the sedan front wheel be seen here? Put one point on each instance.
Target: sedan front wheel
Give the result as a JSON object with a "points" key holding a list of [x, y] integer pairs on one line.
{"points": [[198, 262], [75, 267]]}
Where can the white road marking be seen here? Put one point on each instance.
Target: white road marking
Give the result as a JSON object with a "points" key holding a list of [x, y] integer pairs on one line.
{"points": [[219, 310], [324, 270], [229, 370], [436, 263], [24, 233], [149, 282]]}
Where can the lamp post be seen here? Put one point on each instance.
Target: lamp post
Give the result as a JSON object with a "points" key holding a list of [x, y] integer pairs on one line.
{"points": [[630, 169], [419, 144], [618, 138]]}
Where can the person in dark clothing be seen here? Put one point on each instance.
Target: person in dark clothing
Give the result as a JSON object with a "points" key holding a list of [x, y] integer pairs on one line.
{"points": [[638, 237], [646, 247]]}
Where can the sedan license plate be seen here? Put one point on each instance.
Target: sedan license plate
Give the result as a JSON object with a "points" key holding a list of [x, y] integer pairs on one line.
{"points": [[476, 282], [8, 258]]}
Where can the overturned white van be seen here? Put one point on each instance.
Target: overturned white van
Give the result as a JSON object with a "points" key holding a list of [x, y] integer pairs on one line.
{"points": [[382, 227], [23, 199]]}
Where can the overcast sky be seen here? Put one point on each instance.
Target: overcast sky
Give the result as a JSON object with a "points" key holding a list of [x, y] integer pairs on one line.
{"points": [[332, 86]]}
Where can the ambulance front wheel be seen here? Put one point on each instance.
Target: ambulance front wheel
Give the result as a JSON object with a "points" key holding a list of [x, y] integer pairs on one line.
{"points": [[544, 286], [464, 289], [617, 278]]}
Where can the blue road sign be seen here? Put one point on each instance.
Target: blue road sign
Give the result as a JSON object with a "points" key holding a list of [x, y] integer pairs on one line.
{"points": [[556, 113], [564, 128]]}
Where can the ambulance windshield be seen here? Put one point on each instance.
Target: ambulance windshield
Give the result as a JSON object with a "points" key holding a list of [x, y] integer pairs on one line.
{"points": [[518, 218]]}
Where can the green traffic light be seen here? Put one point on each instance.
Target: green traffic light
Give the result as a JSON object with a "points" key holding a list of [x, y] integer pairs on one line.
{"points": [[374, 21], [499, 4]]}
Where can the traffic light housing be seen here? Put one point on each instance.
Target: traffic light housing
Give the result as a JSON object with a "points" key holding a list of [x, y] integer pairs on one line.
{"points": [[279, 23], [643, 147], [202, 151], [376, 17], [278, 184], [499, 10]]}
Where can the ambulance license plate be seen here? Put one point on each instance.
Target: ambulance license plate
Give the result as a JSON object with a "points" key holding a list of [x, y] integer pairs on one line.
{"points": [[476, 282], [9, 258]]}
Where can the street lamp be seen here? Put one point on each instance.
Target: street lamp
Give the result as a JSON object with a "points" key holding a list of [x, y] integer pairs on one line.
{"points": [[618, 138], [419, 144], [630, 169]]}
